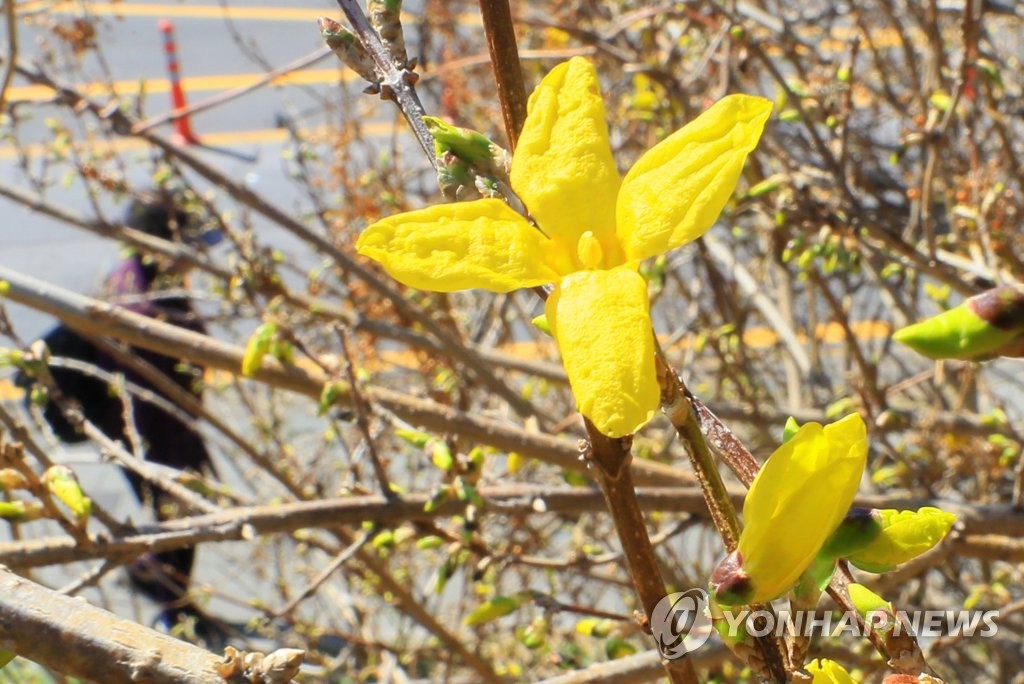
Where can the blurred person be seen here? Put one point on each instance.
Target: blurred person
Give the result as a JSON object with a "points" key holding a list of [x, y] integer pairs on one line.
{"points": [[136, 283]]}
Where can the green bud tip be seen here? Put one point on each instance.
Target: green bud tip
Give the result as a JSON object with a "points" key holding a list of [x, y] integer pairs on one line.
{"points": [[858, 529], [334, 33], [464, 143]]}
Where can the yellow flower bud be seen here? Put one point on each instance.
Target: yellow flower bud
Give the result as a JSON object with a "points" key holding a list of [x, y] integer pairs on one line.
{"points": [[795, 503]]}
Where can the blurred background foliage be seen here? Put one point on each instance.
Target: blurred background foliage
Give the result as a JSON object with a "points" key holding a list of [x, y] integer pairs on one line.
{"points": [[888, 186]]}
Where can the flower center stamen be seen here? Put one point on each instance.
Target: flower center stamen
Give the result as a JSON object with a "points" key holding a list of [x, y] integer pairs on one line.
{"points": [[589, 251]]}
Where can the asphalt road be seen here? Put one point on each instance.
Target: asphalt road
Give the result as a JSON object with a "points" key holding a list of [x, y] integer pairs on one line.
{"points": [[216, 53]]}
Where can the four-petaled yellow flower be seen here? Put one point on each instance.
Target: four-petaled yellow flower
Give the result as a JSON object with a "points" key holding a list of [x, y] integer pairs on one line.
{"points": [[796, 501], [592, 230]]}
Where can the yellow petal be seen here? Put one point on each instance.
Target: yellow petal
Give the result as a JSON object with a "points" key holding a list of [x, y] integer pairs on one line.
{"points": [[797, 500], [460, 246], [563, 168], [826, 671], [602, 322], [677, 189]]}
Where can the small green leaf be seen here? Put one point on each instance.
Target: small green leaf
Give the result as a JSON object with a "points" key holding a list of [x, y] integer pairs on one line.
{"points": [[535, 634], [414, 437], [840, 407], [466, 144], [442, 457], [867, 601], [790, 429], [440, 496], [984, 326], [445, 573], [465, 491], [617, 647], [492, 609], [941, 100], [332, 391], [384, 540], [514, 462], [21, 511], [905, 535], [63, 484], [859, 528], [768, 185], [595, 627], [429, 542], [256, 348], [789, 115]]}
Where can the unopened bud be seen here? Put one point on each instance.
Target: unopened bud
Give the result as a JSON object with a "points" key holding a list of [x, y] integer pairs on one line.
{"points": [[985, 326], [347, 47], [858, 529], [386, 19], [63, 484], [730, 583], [904, 535], [466, 144]]}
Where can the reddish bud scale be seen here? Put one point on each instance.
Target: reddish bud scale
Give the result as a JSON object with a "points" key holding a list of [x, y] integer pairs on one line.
{"points": [[730, 582], [1001, 307]]}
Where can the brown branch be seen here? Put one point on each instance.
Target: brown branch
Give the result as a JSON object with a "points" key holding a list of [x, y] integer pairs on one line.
{"points": [[70, 636], [93, 317], [508, 74], [640, 667], [11, 21], [987, 531], [612, 458]]}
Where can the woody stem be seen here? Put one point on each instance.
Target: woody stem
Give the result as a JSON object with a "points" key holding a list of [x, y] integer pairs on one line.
{"points": [[612, 458]]}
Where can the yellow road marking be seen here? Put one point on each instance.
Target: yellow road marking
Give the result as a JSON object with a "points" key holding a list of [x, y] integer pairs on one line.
{"points": [[191, 84], [225, 139], [186, 11], [182, 11]]}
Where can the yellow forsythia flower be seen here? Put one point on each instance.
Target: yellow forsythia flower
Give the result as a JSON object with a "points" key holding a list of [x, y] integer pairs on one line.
{"points": [[592, 230], [827, 671], [905, 535], [795, 503]]}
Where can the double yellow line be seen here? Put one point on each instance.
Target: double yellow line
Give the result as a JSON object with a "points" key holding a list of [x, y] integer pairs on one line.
{"points": [[176, 11], [226, 139], [35, 93]]}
